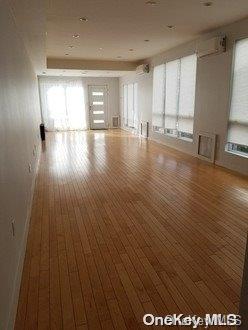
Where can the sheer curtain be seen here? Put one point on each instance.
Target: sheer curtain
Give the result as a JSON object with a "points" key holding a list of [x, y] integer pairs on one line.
{"points": [[63, 104]]}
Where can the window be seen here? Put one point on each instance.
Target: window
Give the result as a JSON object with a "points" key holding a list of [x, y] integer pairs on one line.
{"points": [[238, 120], [130, 105], [63, 104], [174, 97]]}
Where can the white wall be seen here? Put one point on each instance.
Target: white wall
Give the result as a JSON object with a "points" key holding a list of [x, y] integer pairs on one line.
{"points": [[19, 134], [113, 92], [212, 95]]}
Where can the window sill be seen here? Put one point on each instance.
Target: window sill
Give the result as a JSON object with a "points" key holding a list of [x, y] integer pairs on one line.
{"points": [[174, 136], [239, 154], [185, 139]]}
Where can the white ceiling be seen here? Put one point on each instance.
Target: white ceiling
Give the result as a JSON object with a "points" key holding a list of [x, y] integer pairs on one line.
{"points": [[120, 25]]}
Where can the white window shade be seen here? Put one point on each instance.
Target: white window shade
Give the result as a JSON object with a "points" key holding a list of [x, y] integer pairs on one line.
{"points": [[125, 109], [135, 102], [171, 94], [158, 95], [130, 105], [238, 120], [187, 94]]}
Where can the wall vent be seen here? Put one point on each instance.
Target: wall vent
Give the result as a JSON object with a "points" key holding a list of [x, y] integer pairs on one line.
{"points": [[115, 121], [144, 129], [206, 146], [216, 45]]}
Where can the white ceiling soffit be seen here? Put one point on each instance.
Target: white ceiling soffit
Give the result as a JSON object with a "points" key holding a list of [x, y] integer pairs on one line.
{"points": [[117, 29], [84, 73], [77, 64], [30, 17]]}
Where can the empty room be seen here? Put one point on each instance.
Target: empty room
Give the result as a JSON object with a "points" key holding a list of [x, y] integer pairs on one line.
{"points": [[123, 164]]}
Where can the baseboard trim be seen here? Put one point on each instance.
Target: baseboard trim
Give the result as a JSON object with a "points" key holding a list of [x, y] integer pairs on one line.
{"points": [[18, 277]]}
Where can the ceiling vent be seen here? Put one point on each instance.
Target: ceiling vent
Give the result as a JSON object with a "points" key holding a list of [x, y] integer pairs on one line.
{"points": [[216, 45], [142, 69]]}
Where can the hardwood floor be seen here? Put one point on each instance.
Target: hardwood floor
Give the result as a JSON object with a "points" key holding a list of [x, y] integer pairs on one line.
{"points": [[121, 227]]}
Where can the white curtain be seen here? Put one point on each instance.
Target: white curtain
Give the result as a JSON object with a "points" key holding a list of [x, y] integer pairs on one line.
{"points": [[130, 105], [63, 104], [136, 109], [125, 105]]}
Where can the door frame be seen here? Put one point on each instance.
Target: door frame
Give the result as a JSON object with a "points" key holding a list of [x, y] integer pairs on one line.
{"points": [[106, 87]]}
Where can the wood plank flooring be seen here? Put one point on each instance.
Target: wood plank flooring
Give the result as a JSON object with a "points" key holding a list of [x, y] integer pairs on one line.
{"points": [[121, 227]]}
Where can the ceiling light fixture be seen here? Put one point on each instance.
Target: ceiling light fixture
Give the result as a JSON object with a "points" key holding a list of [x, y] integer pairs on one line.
{"points": [[75, 36], [151, 3], [83, 19], [207, 4]]}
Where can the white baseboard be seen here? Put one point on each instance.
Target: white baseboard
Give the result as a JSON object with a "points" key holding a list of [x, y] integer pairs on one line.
{"points": [[18, 277]]}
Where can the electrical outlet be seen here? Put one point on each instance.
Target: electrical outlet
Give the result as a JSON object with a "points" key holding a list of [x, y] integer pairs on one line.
{"points": [[13, 227], [29, 168]]}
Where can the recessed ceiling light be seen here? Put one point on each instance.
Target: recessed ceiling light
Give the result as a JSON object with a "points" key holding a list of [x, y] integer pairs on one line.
{"points": [[131, 49], [75, 36], [146, 40], [151, 3], [83, 19], [207, 4], [170, 26]]}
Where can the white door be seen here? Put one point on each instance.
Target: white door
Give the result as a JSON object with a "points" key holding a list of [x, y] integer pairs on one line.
{"points": [[98, 102]]}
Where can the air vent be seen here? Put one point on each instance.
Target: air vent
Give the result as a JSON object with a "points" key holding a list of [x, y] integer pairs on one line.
{"points": [[216, 45], [142, 69], [115, 121], [144, 129], [206, 146]]}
